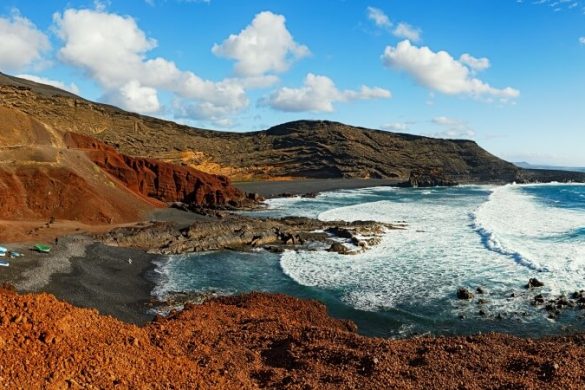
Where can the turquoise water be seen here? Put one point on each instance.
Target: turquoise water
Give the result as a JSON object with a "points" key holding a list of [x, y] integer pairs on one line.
{"points": [[469, 236]]}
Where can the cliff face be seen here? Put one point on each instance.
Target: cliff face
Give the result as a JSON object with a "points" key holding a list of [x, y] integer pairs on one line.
{"points": [[260, 341], [315, 149], [158, 180]]}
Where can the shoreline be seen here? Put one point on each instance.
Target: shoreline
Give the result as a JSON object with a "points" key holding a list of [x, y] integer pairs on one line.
{"points": [[271, 189], [86, 273]]}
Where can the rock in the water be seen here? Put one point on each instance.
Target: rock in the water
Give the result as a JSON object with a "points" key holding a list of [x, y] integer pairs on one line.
{"points": [[480, 290], [534, 283], [338, 248], [464, 293]]}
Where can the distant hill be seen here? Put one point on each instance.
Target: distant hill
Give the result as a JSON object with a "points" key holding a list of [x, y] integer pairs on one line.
{"points": [[526, 165], [302, 149]]}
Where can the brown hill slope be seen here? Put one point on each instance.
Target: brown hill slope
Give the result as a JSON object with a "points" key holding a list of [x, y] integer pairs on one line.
{"points": [[313, 149], [260, 341]]}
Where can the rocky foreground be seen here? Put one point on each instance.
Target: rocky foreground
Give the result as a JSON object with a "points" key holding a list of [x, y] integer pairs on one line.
{"points": [[258, 340]]}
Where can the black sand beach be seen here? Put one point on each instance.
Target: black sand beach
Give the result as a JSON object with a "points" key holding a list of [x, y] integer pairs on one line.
{"points": [[87, 274], [116, 281], [271, 189]]}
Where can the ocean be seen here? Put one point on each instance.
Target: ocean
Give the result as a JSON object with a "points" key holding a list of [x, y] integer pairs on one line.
{"points": [[493, 237]]}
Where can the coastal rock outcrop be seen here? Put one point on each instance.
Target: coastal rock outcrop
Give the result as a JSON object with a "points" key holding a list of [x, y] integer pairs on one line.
{"points": [[234, 231], [428, 178]]}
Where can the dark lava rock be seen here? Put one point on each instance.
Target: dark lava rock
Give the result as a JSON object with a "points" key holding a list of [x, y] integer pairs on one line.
{"points": [[534, 283], [480, 290], [464, 293], [428, 178], [340, 232], [338, 248]]}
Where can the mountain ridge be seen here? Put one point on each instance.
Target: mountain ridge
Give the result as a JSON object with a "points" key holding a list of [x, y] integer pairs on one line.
{"points": [[298, 149]]}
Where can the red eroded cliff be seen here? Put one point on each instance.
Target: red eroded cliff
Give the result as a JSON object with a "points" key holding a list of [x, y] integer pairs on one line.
{"points": [[156, 179]]}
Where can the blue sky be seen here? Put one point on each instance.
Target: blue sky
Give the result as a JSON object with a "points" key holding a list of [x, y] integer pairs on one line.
{"points": [[509, 74]]}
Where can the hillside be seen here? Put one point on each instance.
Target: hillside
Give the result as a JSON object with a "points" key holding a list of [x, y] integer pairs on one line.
{"points": [[307, 149], [81, 183]]}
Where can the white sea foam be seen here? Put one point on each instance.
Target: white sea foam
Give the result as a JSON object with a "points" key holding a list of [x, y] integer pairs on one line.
{"points": [[441, 250], [517, 225]]}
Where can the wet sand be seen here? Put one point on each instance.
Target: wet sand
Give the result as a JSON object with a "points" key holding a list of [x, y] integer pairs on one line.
{"points": [[271, 189]]}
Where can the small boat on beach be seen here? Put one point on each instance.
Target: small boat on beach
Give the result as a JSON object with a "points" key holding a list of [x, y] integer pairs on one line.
{"points": [[4, 263], [42, 248]]}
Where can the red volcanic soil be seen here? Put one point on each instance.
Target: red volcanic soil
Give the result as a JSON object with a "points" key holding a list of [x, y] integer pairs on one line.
{"points": [[258, 340]]}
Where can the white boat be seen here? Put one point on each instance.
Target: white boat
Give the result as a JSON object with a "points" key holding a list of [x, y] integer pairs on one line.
{"points": [[4, 263]]}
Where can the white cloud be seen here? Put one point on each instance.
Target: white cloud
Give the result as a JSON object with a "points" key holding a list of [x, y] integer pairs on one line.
{"points": [[318, 94], [379, 18], [135, 97], [113, 50], [406, 31], [21, 43], [582, 40], [476, 64], [396, 126], [264, 46], [57, 84], [439, 71], [453, 128]]}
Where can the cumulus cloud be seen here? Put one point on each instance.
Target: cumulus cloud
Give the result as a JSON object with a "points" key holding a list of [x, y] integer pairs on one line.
{"points": [[582, 40], [476, 64], [379, 18], [135, 97], [21, 43], [439, 71], [318, 94], [113, 50], [57, 84], [265, 46], [406, 31], [453, 128]]}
